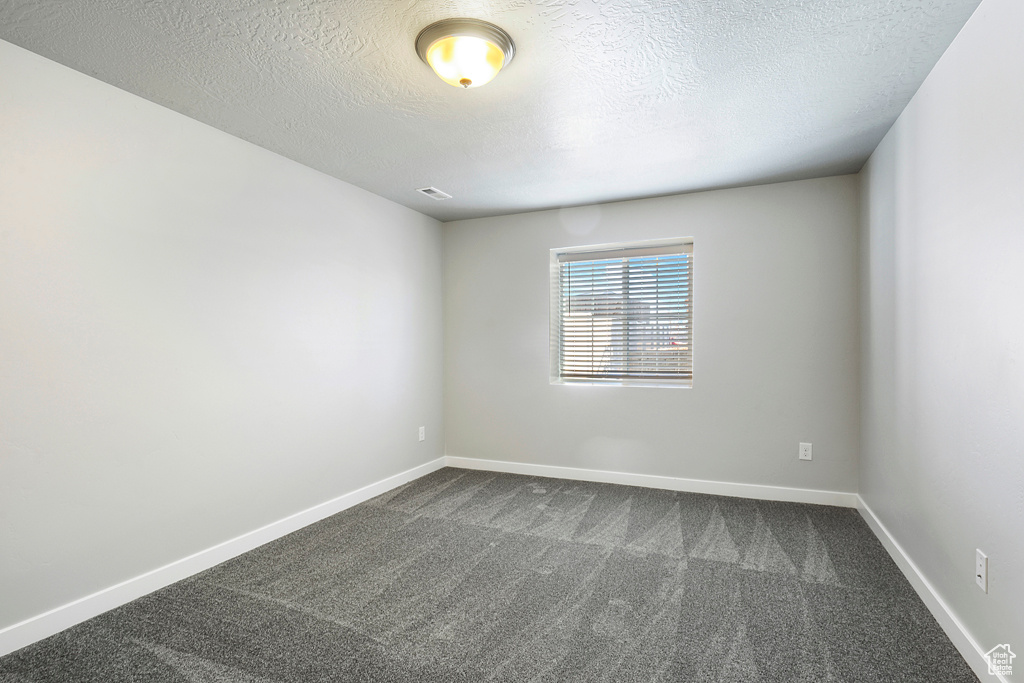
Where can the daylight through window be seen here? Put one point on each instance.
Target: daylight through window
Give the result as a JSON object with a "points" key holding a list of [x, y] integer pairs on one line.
{"points": [[623, 314]]}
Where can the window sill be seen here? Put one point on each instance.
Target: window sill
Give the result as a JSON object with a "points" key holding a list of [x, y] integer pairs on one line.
{"points": [[654, 383]]}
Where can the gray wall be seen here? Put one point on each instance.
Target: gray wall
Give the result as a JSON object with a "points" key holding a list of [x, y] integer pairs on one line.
{"points": [[942, 463], [776, 350], [197, 337]]}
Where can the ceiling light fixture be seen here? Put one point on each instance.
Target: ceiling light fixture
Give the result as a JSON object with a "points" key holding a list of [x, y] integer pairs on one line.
{"points": [[466, 53]]}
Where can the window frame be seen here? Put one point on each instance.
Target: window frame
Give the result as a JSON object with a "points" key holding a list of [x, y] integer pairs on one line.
{"points": [[634, 249]]}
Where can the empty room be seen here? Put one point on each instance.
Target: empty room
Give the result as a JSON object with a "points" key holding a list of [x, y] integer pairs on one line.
{"points": [[575, 340]]}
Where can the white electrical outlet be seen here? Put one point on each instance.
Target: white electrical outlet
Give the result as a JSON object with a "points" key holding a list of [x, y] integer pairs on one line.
{"points": [[805, 451], [423, 433], [981, 570]]}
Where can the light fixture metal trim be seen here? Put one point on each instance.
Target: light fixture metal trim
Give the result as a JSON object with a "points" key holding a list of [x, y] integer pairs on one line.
{"points": [[462, 27], [477, 28]]}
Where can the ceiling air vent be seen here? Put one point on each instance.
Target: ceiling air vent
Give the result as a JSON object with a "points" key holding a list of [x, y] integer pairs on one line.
{"points": [[434, 193]]}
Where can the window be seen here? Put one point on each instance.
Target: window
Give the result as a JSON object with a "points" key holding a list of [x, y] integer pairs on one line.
{"points": [[623, 314]]}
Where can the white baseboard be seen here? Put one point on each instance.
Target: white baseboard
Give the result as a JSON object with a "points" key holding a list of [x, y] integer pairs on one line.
{"points": [[56, 620], [962, 640], [718, 488], [49, 623]]}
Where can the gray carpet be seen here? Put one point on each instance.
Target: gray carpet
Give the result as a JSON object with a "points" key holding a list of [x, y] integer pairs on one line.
{"points": [[476, 576]]}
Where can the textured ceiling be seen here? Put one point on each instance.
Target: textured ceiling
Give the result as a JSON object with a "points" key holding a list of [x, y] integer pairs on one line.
{"points": [[605, 99]]}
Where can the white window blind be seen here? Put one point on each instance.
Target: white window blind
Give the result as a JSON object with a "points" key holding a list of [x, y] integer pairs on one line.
{"points": [[623, 314]]}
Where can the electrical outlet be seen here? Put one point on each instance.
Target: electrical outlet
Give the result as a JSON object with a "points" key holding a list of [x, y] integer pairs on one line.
{"points": [[981, 570], [423, 433], [805, 451]]}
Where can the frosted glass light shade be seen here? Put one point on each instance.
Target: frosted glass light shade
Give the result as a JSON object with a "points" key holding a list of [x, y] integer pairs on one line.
{"points": [[465, 53], [465, 61]]}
